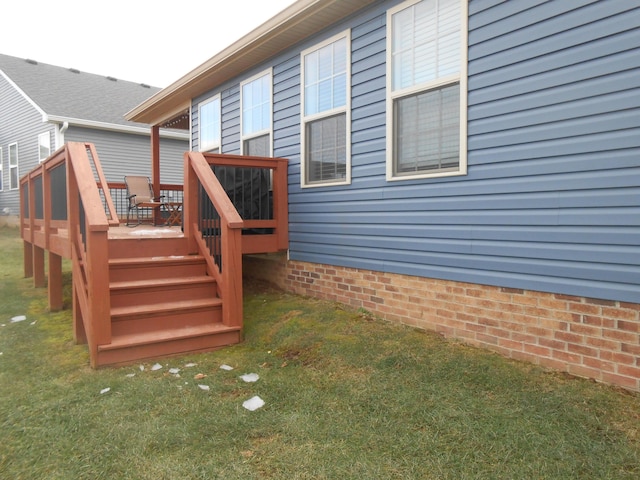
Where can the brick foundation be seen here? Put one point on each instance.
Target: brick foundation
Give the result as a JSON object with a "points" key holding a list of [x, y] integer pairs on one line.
{"points": [[591, 338]]}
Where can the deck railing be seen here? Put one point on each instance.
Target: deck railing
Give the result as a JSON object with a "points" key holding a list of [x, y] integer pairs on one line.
{"points": [[62, 212], [234, 205], [257, 187], [214, 229], [118, 192]]}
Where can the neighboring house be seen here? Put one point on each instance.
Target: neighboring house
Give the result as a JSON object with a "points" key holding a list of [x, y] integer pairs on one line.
{"points": [[471, 168], [43, 106]]}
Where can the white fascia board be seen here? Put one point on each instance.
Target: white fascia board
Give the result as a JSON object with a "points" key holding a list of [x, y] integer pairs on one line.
{"points": [[115, 127]]}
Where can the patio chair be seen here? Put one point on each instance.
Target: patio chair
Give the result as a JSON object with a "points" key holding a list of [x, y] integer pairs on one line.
{"points": [[140, 195]]}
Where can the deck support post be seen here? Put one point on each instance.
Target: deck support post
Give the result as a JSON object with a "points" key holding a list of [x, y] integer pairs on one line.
{"points": [[38, 266], [79, 333], [28, 259], [55, 282]]}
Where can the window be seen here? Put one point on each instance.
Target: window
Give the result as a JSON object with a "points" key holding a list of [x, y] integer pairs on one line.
{"points": [[1, 172], [256, 115], [426, 89], [44, 146], [326, 116], [14, 176], [209, 115]]}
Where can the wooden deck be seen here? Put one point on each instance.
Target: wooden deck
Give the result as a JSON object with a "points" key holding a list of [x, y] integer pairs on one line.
{"points": [[147, 291]]}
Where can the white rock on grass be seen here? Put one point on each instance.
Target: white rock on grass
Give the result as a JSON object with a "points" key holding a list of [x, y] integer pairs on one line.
{"points": [[18, 318], [253, 403], [250, 377]]}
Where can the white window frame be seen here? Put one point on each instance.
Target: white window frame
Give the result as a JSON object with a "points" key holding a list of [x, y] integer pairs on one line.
{"points": [[211, 145], [268, 131], [423, 87], [1, 171], [346, 109], [44, 139], [12, 167]]}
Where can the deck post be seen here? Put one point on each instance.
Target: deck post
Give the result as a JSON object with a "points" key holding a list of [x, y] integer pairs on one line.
{"points": [[28, 259], [155, 168], [79, 333], [190, 203], [232, 277], [55, 282], [38, 266]]}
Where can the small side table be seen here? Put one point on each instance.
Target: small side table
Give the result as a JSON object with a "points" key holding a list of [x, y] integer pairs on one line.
{"points": [[175, 213]]}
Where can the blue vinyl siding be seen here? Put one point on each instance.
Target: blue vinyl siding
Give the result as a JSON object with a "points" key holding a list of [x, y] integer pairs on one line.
{"points": [[286, 110], [230, 111], [551, 198]]}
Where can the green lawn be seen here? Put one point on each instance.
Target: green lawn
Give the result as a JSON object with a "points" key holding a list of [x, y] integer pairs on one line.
{"points": [[346, 397]]}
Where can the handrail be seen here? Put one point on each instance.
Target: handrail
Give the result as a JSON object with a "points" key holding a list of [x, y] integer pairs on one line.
{"points": [[113, 215], [87, 214], [71, 171], [199, 177]]}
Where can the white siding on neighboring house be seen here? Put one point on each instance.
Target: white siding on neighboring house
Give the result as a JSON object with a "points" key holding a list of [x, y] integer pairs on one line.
{"points": [[123, 154], [20, 125]]}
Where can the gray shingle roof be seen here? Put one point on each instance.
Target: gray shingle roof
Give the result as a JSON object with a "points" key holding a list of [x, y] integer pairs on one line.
{"points": [[69, 93]]}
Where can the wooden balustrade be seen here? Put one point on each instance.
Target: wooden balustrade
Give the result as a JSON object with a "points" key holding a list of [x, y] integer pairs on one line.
{"points": [[228, 273]]}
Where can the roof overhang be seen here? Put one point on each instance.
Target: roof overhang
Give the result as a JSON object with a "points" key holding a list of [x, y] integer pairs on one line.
{"points": [[301, 20], [131, 129]]}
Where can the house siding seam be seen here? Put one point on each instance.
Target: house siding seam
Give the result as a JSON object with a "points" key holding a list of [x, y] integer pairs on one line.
{"points": [[585, 337]]}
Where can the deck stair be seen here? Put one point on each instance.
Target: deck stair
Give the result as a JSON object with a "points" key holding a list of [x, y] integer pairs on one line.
{"points": [[144, 292], [162, 302]]}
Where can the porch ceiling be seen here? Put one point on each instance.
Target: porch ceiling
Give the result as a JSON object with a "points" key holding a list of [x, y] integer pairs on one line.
{"points": [[297, 22]]}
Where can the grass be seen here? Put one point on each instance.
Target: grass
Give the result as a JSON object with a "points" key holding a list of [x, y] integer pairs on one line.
{"points": [[347, 397]]}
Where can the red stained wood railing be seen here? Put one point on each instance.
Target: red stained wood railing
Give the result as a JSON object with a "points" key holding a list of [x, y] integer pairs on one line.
{"points": [[82, 236], [278, 240], [198, 175]]}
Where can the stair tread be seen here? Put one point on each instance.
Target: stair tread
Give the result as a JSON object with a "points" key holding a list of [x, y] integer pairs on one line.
{"points": [[163, 307], [165, 335], [160, 282], [155, 259]]}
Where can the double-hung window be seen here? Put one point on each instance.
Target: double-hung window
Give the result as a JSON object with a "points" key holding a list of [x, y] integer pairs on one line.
{"points": [[44, 146], [1, 172], [14, 175], [426, 89], [209, 125], [255, 99], [326, 117]]}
